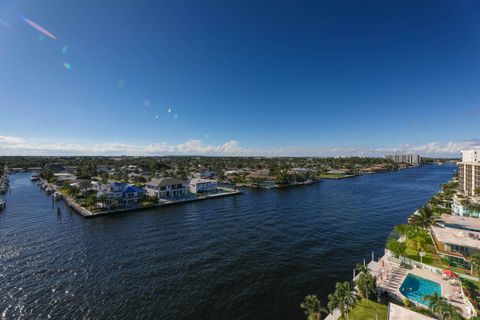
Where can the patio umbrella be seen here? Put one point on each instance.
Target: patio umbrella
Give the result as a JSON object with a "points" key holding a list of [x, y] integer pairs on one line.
{"points": [[449, 273]]}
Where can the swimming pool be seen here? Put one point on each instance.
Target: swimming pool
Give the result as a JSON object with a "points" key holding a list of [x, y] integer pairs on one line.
{"points": [[415, 288]]}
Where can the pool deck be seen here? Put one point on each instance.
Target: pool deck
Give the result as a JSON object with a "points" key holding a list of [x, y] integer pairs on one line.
{"points": [[390, 277]]}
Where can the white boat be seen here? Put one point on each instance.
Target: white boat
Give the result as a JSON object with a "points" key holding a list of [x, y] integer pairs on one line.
{"points": [[34, 176], [56, 195], [3, 205]]}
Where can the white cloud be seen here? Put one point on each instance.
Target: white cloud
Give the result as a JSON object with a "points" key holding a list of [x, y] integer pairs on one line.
{"points": [[19, 146]]}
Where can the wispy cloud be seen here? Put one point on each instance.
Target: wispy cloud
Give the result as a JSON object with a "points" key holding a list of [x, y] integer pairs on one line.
{"points": [[22, 146]]}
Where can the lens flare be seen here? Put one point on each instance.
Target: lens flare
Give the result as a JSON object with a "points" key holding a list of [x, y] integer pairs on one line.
{"points": [[67, 66], [169, 110], [175, 116], [39, 28], [156, 116], [146, 103], [64, 49]]}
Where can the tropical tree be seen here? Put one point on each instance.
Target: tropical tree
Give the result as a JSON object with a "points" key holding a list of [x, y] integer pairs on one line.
{"points": [[440, 306], [398, 248], [312, 307], [423, 218], [85, 185], [417, 239], [342, 299], [367, 285], [360, 267], [433, 300], [446, 311]]}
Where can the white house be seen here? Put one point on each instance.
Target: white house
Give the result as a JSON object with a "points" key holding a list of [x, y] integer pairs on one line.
{"points": [[202, 185], [165, 188], [120, 194]]}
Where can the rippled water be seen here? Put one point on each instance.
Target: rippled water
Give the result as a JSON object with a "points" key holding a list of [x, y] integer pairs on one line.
{"points": [[254, 256]]}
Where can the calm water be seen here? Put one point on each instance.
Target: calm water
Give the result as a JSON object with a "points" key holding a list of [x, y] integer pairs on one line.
{"points": [[253, 256]]}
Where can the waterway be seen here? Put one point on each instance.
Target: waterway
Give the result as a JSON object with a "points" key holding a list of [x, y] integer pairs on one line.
{"points": [[253, 256]]}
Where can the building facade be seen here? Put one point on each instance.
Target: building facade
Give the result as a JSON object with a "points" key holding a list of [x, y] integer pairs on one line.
{"points": [[202, 185], [469, 172], [459, 209], [166, 188], [118, 194], [413, 159]]}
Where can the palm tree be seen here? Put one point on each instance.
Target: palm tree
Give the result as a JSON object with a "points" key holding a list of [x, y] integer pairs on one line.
{"points": [[433, 300], [348, 296], [424, 218], [402, 229], [367, 285], [343, 298], [418, 240], [334, 302], [446, 311], [398, 248], [475, 263], [360, 267], [440, 306], [312, 307]]}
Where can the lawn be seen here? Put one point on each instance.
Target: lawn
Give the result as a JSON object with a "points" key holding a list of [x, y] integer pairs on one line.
{"points": [[432, 258], [368, 312]]}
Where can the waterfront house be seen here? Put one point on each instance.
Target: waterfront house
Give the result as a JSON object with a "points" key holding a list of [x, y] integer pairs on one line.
{"points": [[196, 185], [120, 194], [207, 174], [166, 188], [133, 195]]}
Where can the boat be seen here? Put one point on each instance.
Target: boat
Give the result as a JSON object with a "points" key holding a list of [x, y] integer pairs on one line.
{"points": [[3, 205], [48, 190], [34, 176], [56, 195]]}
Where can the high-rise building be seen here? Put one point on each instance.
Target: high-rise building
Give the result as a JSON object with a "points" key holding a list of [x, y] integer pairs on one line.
{"points": [[469, 172], [412, 159]]}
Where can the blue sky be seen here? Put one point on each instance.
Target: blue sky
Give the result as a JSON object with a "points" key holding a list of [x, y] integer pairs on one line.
{"points": [[239, 77]]}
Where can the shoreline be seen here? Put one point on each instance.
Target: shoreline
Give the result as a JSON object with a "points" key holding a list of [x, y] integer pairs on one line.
{"points": [[86, 213]]}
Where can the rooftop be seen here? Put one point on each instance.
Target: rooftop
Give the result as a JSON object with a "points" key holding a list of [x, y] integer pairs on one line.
{"points": [[396, 312], [460, 222], [164, 182], [198, 180], [132, 189], [457, 236]]}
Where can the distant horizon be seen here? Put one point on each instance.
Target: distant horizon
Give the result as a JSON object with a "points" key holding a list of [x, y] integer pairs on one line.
{"points": [[15, 146]]}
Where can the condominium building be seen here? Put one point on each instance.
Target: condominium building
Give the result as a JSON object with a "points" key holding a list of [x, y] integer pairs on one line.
{"points": [[469, 172], [412, 159]]}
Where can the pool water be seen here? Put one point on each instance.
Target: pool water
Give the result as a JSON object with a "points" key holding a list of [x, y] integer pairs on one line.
{"points": [[415, 288]]}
